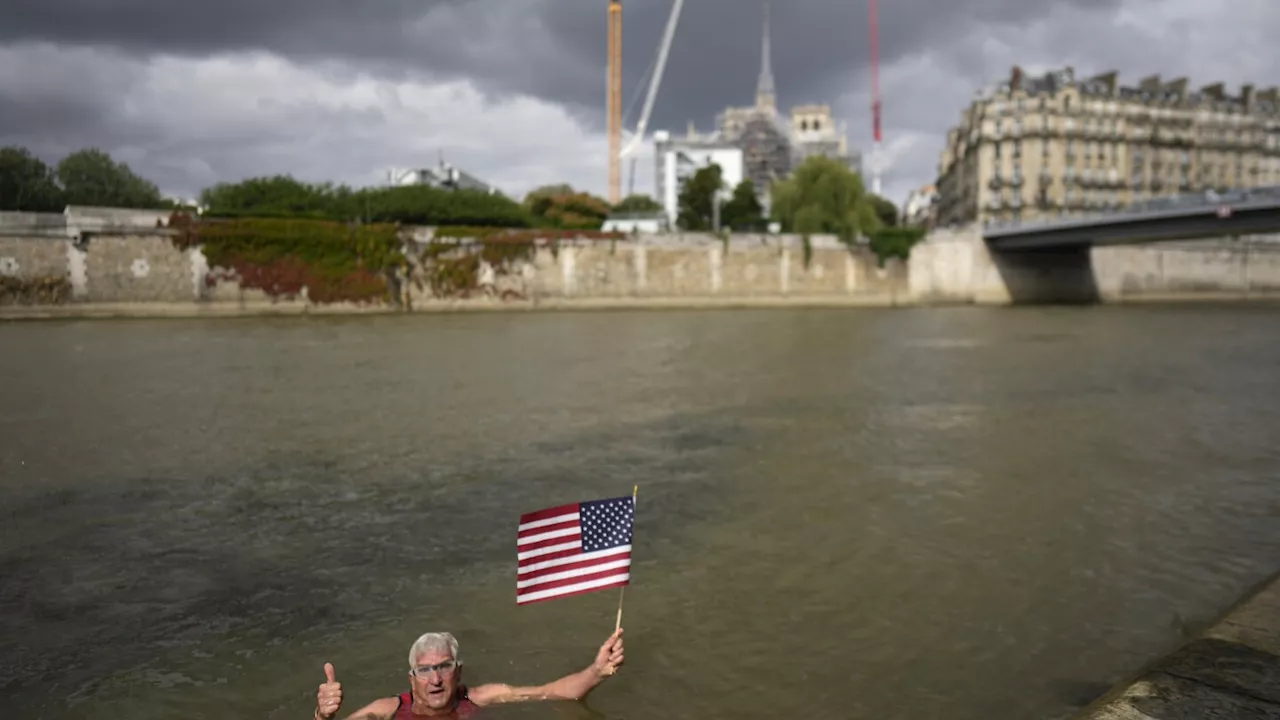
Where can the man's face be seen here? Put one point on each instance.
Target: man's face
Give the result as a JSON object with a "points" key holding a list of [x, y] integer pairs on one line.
{"points": [[434, 687]]}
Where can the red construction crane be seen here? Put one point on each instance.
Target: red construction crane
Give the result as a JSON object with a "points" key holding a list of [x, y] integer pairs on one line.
{"points": [[877, 159]]}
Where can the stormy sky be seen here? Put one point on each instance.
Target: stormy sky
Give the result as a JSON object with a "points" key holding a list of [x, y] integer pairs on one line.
{"points": [[192, 93]]}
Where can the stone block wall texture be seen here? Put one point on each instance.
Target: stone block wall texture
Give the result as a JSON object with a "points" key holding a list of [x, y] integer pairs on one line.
{"points": [[33, 271], [646, 268], [137, 268], [1244, 266]]}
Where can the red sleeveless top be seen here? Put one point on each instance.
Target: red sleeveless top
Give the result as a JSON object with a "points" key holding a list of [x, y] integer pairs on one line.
{"points": [[463, 708]]}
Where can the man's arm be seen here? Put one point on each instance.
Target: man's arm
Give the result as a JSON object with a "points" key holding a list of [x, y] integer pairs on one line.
{"points": [[569, 687]]}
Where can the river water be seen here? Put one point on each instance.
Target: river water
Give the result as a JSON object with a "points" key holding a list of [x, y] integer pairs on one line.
{"points": [[959, 513]]}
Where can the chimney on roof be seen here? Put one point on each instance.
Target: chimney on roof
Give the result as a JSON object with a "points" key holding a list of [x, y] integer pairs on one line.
{"points": [[1151, 82], [1216, 91], [1015, 78]]}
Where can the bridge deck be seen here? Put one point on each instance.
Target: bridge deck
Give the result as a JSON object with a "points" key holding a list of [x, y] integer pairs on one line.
{"points": [[1238, 213]]}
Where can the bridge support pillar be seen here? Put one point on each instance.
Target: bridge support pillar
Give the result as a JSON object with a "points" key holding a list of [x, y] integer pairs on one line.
{"points": [[958, 266]]}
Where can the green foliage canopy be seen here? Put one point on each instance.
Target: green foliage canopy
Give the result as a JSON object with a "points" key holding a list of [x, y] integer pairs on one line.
{"points": [[696, 203], [282, 196], [637, 204], [824, 196], [560, 206], [27, 184], [743, 212], [91, 177]]}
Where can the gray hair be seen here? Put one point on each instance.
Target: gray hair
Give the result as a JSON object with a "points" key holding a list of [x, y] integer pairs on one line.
{"points": [[433, 641]]}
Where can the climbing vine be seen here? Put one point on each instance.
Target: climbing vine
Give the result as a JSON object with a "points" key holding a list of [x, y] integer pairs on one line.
{"points": [[452, 263], [34, 291], [333, 261], [452, 269]]}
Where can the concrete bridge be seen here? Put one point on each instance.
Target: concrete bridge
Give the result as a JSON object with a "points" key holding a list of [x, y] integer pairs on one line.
{"points": [[1243, 212], [1191, 247]]}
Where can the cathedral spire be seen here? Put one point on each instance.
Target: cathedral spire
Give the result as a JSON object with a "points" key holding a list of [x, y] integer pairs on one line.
{"points": [[766, 99]]}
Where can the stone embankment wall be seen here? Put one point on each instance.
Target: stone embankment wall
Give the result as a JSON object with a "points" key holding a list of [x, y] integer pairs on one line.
{"points": [[96, 261], [692, 270], [1232, 670], [102, 263]]}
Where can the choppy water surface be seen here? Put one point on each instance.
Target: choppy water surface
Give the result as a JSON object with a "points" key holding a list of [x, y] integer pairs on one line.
{"points": [[872, 514]]}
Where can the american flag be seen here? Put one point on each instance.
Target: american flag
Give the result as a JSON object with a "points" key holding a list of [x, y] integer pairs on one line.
{"points": [[574, 549]]}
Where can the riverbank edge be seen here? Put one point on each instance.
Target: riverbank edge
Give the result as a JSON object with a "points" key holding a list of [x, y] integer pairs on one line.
{"points": [[102, 310], [1231, 669]]}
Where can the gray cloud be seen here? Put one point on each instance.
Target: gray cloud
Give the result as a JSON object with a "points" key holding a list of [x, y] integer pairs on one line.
{"points": [[935, 53], [553, 50]]}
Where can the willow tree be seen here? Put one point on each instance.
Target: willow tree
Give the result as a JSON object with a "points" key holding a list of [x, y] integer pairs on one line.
{"points": [[823, 196]]}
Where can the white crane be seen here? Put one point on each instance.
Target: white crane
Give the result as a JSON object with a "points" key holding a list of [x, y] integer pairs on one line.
{"points": [[637, 138]]}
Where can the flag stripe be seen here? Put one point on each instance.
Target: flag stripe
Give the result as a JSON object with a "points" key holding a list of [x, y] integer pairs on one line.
{"points": [[575, 575], [548, 525], [540, 515], [574, 546], [617, 580], [548, 538], [571, 594], [615, 561], [574, 529], [576, 552], [536, 566]]}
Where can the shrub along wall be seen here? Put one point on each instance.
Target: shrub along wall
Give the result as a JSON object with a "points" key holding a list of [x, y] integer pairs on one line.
{"points": [[334, 261]]}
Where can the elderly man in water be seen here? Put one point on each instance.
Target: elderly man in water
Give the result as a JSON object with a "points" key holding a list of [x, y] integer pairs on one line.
{"points": [[436, 689]]}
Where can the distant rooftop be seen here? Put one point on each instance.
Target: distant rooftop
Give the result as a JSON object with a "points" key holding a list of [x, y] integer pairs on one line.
{"points": [[1151, 89]]}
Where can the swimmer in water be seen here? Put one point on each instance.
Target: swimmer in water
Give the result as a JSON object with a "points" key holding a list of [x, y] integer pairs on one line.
{"points": [[436, 689]]}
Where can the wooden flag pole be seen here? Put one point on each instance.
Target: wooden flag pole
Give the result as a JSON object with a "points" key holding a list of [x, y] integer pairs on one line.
{"points": [[623, 590]]}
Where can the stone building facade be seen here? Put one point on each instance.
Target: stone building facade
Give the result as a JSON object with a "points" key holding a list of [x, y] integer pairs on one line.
{"points": [[1055, 146]]}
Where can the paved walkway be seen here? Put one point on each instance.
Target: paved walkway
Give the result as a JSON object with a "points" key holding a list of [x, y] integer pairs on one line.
{"points": [[1231, 671]]}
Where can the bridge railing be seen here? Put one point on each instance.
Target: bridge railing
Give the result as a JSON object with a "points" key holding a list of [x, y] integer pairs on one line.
{"points": [[1184, 202]]}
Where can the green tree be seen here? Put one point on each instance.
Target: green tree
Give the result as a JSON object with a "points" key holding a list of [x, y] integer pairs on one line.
{"points": [[637, 204], [891, 242], [560, 206], [91, 177], [885, 210], [282, 196], [26, 183], [697, 199], [743, 211], [278, 196], [824, 196]]}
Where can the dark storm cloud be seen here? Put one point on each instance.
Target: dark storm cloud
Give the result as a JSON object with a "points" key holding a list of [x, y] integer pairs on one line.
{"points": [[552, 49]]}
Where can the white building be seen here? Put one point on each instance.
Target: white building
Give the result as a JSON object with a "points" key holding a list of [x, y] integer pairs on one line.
{"points": [[648, 223], [443, 176], [917, 211], [679, 158]]}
